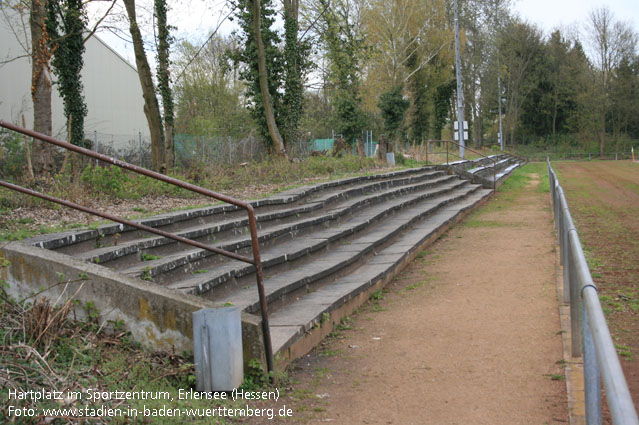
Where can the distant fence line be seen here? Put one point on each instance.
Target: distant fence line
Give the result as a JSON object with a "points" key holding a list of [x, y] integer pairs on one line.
{"points": [[219, 149], [190, 149]]}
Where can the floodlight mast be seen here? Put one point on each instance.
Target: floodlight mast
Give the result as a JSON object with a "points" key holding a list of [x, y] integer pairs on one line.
{"points": [[460, 97], [501, 128]]}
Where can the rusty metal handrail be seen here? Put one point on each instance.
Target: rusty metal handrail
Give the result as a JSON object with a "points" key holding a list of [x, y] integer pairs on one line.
{"points": [[256, 261], [477, 153]]}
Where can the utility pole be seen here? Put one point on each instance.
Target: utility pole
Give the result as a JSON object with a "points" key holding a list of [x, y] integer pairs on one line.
{"points": [[460, 97], [501, 129]]}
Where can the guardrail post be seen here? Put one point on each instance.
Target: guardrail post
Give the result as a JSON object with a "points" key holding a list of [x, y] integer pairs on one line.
{"points": [[592, 383], [564, 257], [575, 301]]}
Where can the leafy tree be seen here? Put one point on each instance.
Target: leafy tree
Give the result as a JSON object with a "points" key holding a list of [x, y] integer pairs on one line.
{"points": [[624, 108], [274, 76], [611, 42], [520, 50], [208, 97], [393, 106], [295, 68], [345, 49]]}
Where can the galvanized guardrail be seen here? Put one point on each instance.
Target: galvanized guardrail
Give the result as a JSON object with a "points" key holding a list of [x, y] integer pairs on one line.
{"points": [[590, 336]]}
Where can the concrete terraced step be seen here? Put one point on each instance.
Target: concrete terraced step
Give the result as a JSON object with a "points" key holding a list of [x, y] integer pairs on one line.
{"points": [[339, 256], [486, 171], [77, 241], [225, 233], [366, 211], [324, 248], [293, 321]]}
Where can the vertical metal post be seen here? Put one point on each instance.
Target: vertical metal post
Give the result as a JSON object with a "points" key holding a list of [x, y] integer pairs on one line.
{"points": [[565, 258], [575, 301], [501, 130], [446, 153], [494, 176], [140, 147], [96, 144], [592, 383], [460, 96], [426, 151]]}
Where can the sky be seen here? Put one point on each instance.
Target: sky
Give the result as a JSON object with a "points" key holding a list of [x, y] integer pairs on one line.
{"points": [[551, 14]]}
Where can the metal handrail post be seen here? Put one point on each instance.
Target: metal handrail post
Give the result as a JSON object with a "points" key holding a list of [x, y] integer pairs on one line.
{"points": [[576, 344], [184, 185], [592, 382], [570, 260], [446, 153], [564, 262], [259, 276]]}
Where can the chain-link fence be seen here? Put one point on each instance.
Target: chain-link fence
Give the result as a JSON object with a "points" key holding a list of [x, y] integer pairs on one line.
{"points": [[190, 149]]}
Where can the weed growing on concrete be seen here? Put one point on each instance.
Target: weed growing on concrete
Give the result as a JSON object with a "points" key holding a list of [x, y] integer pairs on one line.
{"points": [[146, 274], [149, 257]]}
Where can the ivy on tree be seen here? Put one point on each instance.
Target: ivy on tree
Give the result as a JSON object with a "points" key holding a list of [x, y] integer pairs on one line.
{"points": [[65, 23], [285, 67], [164, 82]]}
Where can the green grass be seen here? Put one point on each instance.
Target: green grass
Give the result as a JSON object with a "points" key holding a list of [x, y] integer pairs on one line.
{"points": [[486, 223]]}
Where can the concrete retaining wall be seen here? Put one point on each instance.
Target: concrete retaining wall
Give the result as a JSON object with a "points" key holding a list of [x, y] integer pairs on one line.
{"points": [[155, 316]]}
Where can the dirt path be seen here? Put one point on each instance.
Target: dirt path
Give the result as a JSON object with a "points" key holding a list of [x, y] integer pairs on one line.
{"points": [[467, 334]]}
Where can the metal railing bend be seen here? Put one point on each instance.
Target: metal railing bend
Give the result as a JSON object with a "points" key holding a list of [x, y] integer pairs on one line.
{"points": [[590, 336], [255, 261]]}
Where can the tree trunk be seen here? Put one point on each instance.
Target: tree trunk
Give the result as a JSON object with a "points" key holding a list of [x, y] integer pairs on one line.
{"points": [[151, 106], [360, 148], [43, 164], [169, 153], [276, 137], [382, 147]]}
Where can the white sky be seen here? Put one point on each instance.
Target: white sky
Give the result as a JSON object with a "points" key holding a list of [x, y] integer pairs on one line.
{"points": [[551, 14]]}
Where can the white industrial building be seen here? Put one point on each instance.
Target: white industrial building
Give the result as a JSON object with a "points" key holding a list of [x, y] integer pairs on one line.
{"points": [[111, 88]]}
